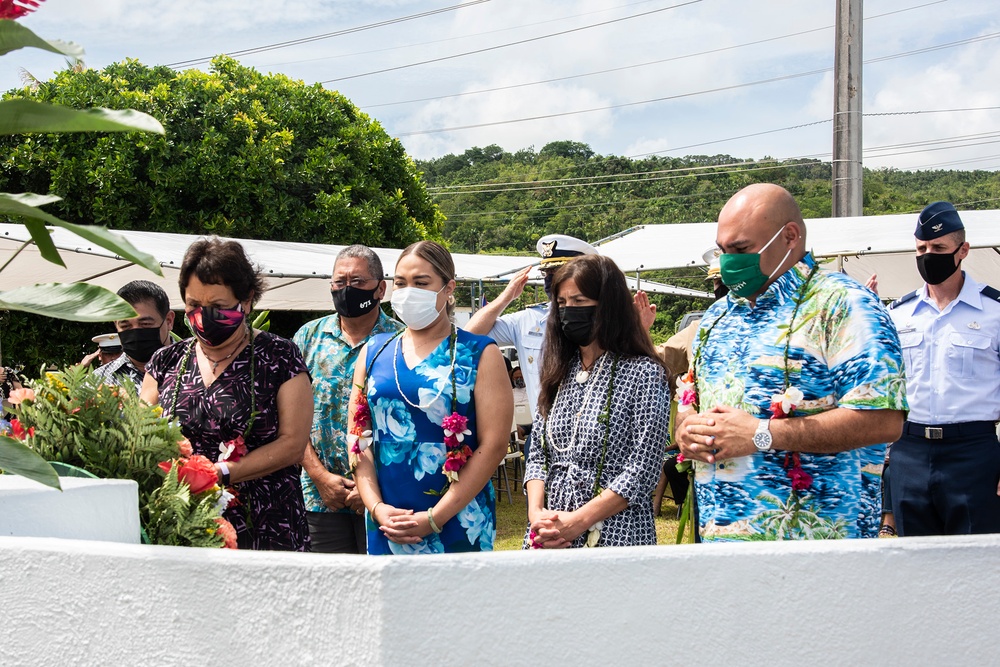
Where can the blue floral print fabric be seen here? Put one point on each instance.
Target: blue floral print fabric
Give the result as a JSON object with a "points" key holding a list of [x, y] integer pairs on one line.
{"points": [[409, 448], [844, 352]]}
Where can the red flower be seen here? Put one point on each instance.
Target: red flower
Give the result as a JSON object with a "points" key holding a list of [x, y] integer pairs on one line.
{"points": [[15, 9], [801, 480], [776, 411], [17, 430], [451, 442], [239, 448], [197, 472], [227, 532]]}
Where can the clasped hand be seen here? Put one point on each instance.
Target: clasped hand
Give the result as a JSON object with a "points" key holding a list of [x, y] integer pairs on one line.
{"points": [[555, 530], [716, 435], [339, 492], [402, 526]]}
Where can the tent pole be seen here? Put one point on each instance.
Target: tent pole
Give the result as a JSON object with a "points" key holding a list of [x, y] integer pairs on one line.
{"points": [[638, 280]]}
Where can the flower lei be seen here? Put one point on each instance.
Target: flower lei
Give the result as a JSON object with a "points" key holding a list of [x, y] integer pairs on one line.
{"points": [[234, 449], [604, 419], [784, 404]]}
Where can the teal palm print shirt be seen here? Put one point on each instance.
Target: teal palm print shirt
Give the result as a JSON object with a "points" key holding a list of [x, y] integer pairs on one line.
{"points": [[330, 358]]}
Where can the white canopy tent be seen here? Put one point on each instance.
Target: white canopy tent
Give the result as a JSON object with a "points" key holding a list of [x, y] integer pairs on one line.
{"points": [[860, 246], [298, 274]]}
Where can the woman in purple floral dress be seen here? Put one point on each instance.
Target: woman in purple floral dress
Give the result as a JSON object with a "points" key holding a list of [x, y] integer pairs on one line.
{"points": [[242, 396]]}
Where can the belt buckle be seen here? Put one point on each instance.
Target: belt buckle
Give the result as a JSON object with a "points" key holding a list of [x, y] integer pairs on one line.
{"points": [[932, 433]]}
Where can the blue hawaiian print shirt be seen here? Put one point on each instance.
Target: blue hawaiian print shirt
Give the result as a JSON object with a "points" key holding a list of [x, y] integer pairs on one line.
{"points": [[844, 352], [330, 359]]}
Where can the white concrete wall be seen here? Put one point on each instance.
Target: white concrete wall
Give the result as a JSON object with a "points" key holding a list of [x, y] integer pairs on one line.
{"points": [[904, 601], [85, 509]]}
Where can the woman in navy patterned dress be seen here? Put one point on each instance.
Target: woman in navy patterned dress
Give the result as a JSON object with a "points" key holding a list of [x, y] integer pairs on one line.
{"points": [[417, 380], [600, 429], [230, 382]]}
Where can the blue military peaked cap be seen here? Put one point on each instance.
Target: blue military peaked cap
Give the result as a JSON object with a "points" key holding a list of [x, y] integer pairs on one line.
{"points": [[936, 220]]}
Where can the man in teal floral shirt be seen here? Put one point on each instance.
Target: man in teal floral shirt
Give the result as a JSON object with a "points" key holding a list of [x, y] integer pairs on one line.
{"points": [[330, 346], [799, 384]]}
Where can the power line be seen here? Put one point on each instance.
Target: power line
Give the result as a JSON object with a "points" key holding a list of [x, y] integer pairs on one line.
{"points": [[329, 35], [636, 65], [509, 44], [673, 97], [461, 37]]}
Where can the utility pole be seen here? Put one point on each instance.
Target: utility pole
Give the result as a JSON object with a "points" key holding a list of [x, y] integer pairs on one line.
{"points": [[847, 172]]}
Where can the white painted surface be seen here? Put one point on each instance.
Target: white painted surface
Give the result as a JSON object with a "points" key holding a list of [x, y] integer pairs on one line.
{"points": [[86, 509], [903, 601]]}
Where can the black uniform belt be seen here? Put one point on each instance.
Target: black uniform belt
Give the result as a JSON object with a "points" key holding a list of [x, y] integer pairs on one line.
{"points": [[942, 431]]}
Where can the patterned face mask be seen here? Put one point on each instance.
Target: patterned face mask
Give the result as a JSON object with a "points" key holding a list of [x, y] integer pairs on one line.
{"points": [[214, 326]]}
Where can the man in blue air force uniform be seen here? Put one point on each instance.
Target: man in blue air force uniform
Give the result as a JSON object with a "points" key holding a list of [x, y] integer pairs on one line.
{"points": [[946, 466]]}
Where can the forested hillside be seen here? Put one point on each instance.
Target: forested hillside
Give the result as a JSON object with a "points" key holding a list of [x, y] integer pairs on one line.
{"points": [[496, 201]]}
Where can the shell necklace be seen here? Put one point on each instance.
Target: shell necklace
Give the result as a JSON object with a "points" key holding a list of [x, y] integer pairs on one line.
{"points": [[444, 385], [576, 418]]}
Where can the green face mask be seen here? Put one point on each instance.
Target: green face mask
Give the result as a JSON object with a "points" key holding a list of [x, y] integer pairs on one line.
{"points": [[741, 273]]}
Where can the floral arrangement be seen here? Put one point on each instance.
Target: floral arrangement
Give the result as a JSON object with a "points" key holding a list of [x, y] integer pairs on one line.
{"points": [[110, 432], [186, 509]]}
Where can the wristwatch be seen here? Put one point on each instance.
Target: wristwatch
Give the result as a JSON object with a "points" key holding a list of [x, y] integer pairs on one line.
{"points": [[762, 436]]}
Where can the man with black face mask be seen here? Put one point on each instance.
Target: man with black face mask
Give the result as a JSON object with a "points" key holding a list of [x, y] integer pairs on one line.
{"points": [[330, 347], [946, 466], [525, 329], [139, 336]]}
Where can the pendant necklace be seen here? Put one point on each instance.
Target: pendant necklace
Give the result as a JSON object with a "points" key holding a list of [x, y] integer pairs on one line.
{"points": [[215, 364], [583, 374]]}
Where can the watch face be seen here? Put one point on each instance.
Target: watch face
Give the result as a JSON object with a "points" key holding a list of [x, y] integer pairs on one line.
{"points": [[762, 440]]}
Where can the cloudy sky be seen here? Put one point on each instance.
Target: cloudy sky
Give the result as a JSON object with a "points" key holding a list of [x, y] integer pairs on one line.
{"points": [[748, 78]]}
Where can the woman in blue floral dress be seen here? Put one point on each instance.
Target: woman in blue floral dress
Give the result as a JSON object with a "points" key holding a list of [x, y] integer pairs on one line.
{"points": [[427, 486]]}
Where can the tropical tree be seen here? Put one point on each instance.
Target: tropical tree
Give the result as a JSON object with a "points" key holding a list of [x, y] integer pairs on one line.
{"points": [[245, 154], [77, 301]]}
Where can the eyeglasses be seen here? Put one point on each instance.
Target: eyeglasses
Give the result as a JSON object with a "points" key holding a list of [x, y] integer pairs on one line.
{"points": [[353, 282]]}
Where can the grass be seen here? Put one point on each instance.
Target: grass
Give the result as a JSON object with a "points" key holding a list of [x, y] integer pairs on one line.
{"points": [[512, 519]]}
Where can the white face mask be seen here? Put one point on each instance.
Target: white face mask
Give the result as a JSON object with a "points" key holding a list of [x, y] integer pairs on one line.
{"points": [[417, 308]]}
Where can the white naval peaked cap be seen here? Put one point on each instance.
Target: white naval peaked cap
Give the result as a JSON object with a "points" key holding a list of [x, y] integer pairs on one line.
{"points": [[557, 249]]}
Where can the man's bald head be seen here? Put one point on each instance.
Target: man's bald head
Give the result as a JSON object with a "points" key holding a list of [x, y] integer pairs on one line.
{"points": [[753, 216]]}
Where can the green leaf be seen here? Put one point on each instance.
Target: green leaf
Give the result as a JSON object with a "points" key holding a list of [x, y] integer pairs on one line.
{"points": [[19, 116], [25, 205], [18, 458], [79, 302], [14, 36]]}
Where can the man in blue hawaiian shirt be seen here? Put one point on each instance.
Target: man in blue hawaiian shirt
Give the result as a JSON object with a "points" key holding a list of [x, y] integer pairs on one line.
{"points": [[330, 346], [799, 385]]}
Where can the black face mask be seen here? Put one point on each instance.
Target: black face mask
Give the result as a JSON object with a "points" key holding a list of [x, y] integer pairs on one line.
{"points": [[721, 291], [577, 323], [140, 344], [354, 302], [547, 282], [935, 268]]}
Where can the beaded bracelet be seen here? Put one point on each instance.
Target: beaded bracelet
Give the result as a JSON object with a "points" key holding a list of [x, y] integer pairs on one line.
{"points": [[430, 520]]}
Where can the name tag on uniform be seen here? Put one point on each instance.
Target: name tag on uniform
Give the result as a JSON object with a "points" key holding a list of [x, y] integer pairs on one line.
{"points": [[533, 332], [906, 330]]}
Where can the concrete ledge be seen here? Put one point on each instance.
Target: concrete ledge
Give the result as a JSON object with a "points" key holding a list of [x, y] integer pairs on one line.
{"points": [[903, 601], [86, 509]]}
